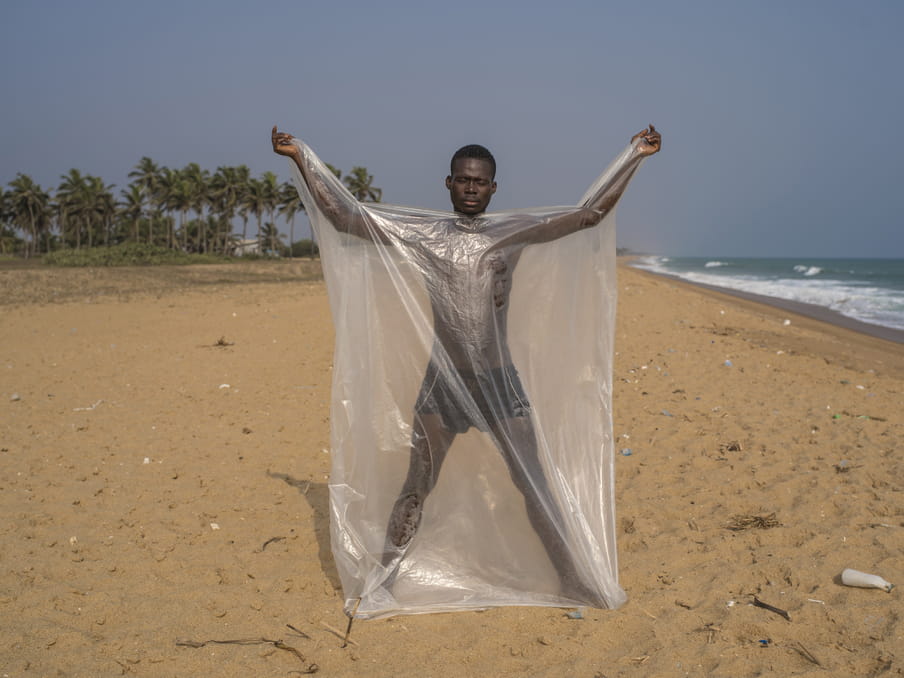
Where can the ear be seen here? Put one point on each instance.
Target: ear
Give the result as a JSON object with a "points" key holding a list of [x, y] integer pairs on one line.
{"points": [[493, 188], [449, 183]]}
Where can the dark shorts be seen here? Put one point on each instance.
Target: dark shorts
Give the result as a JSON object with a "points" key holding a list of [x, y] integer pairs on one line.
{"points": [[466, 398]]}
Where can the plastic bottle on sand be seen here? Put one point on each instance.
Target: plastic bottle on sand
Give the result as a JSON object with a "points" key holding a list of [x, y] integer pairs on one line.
{"points": [[867, 581]]}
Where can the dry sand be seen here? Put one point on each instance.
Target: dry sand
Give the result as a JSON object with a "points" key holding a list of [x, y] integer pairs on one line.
{"points": [[163, 478]]}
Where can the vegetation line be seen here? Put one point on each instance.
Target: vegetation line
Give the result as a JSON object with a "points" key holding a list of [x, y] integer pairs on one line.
{"points": [[188, 211]]}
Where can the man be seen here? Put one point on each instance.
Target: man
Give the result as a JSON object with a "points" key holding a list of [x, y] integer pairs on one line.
{"points": [[467, 260]]}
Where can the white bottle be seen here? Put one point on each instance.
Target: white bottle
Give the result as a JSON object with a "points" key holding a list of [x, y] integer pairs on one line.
{"points": [[867, 581]]}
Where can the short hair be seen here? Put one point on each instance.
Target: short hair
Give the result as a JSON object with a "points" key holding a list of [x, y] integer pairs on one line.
{"points": [[474, 151]]}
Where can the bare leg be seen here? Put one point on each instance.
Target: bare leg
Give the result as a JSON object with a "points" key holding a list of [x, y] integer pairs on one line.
{"points": [[430, 440], [518, 444]]}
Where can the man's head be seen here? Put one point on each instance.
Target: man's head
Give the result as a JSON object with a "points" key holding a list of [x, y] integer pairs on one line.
{"points": [[472, 181]]}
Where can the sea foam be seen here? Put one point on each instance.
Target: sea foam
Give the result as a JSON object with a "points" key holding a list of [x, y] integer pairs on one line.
{"points": [[865, 291]]}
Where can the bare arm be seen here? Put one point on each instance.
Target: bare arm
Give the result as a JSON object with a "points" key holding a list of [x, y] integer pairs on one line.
{"points": [[603, 196], [336, 203]]}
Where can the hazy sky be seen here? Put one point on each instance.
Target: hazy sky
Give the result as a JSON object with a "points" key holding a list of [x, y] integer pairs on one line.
{"points": [[778, 118]]}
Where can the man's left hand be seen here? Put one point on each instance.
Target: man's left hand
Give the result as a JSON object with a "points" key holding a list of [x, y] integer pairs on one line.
{"points": [[650, 141]]}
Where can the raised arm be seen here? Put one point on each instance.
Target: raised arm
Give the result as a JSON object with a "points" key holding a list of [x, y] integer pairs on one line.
{"points": [[603, 195], [327, 192]]}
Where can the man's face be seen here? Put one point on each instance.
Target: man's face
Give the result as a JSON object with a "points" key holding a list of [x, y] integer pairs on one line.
{"points": [[471, 185]]}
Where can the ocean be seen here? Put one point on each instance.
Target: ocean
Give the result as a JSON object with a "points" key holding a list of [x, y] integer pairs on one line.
{"points": [[868, 290]]}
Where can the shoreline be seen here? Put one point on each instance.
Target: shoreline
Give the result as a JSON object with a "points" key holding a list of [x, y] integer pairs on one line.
{"points": [[800, 308], [819, 335]]}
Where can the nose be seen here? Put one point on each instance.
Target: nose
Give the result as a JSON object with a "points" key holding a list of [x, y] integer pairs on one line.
{"points": [[471, 187]]}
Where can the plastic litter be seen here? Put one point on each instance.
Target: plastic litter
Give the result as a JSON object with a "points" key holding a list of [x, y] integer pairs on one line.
{"points": [[864, 580], [412, 293]]}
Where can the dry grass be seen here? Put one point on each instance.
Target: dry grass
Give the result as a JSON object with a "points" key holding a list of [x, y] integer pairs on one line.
{"points": [[753, 522]]}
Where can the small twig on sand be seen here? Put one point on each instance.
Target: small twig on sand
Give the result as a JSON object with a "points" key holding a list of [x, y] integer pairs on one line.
{"points": [[805, 653], [270, 541], [336, 632], [278, 644], [298, 631], [782, 613]]}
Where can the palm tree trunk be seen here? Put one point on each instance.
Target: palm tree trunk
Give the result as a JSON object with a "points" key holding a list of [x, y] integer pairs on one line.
{"points": [[31, 222]]}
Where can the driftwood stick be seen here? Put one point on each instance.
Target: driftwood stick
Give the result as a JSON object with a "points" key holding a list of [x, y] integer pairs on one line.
{"points": [[351, 618], [782, 613]]}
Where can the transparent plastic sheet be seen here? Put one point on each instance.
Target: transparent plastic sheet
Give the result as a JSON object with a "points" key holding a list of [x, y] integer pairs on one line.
{"points": [[472, 451]]}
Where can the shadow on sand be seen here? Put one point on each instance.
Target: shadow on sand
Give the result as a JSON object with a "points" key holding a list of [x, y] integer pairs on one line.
{"points": [[318, 497]]}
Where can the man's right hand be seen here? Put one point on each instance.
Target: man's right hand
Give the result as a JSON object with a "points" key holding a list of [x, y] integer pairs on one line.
{"points": [[282, 143]]}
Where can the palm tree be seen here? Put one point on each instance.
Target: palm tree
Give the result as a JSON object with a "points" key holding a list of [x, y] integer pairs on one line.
{"points": [[159, 226], [359, 183], [215, 227], [147, 176], [243, 179], [131, 209], [101, 207], [290, 205], [30, 207], [9, 241], [198, 186], [69, 199], [273, 237], [271, 198], [173, 196], [255, 202], [227, 186]]}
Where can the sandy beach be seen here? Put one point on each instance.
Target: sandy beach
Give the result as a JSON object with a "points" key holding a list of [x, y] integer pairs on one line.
{"points": [[164, 471]]}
